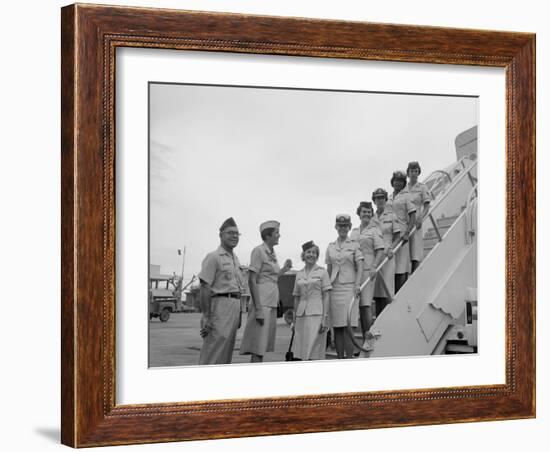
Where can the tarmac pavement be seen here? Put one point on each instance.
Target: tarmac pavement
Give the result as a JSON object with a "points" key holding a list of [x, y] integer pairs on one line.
{"points": [[177, 342]]}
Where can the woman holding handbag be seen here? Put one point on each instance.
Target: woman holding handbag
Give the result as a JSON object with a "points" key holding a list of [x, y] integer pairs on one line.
{"points": [[311, 304]]}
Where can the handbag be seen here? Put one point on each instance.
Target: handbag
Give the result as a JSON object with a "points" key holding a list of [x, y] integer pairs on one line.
{"points": [[289, 355]]}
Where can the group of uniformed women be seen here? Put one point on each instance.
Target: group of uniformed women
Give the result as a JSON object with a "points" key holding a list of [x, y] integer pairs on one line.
{"points": [[352, 258], [322, 297]]}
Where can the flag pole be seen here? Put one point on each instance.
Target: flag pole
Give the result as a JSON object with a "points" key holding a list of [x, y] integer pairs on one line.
{"points": [[182, 264]]}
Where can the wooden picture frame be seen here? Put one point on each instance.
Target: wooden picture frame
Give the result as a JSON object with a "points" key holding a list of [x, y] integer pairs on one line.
{"points": [[90, 36]]}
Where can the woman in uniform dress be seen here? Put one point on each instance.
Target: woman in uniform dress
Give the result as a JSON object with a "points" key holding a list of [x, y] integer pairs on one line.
{"points": [[263, 277], [372, 248], [404, 210], [420, 196], [345, 267], [311, 304], [387, 222]]}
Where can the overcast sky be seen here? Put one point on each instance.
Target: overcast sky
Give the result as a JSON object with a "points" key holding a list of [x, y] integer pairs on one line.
{"points": [[300, 157]]}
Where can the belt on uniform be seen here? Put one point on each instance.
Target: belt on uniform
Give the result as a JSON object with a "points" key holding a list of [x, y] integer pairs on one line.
{"points": [[230, 295]]}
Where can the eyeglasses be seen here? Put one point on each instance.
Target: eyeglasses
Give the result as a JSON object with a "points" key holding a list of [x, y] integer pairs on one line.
{"points": [[234, 233]]}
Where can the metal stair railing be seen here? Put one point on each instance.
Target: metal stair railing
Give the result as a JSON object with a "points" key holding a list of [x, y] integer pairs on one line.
{"points": [[441, 173], [452, 186], [471, 205]]}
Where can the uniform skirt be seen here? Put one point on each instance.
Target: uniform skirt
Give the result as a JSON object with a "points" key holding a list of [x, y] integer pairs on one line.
{"points": [[308, 343], [388, 273], [259, 339], [416, 245], [341, 296], [402, 259], [368, 292], [217, 346]]}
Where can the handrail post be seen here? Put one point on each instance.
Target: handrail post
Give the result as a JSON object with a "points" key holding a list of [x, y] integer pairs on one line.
{"points": [[471, 179], [469, 175], [436, 228]]}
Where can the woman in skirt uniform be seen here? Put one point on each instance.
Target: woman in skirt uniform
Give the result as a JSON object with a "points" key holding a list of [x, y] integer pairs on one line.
{"points": [[405, 211], [345, 267], [387, 222], [311, 304], [263, 277], [372, 247], [420, 196]]}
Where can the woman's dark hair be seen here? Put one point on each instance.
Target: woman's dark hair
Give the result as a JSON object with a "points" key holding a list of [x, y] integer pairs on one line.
{"points": [[398, 175], [363, 205], [413, 165]]}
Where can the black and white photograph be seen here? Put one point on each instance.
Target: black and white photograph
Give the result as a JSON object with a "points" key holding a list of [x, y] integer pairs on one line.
{"points": [[259, 225], [292, 224]]}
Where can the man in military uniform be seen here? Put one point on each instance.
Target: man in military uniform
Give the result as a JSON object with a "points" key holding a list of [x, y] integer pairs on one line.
{"points": [[221, 286]]}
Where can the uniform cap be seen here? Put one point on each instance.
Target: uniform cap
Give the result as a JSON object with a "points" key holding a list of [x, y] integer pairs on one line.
{"points": [[230, 222], [366, 204], [379, 192], [269, 224], [399, 175], [306, 246], [343, 218], [362, 205]]}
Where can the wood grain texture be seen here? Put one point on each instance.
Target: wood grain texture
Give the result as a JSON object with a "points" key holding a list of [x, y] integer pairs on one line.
{"points": [[90, 36]]}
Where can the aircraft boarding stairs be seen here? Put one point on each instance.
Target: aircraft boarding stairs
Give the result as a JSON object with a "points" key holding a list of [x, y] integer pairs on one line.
{"points": [[434, 309]]}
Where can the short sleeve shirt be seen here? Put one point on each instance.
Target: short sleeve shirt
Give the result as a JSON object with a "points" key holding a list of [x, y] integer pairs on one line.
{"points": [[343, 257], [221, 270], [310, 287], [263, 262], [370, 240], [419, 194], [388, 225], [402, 206]]}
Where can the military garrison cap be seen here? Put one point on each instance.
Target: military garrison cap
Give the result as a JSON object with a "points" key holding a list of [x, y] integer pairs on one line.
{"points": [[230, 222], [363, 204], [269, 224], [306, 246], [367, 204]]}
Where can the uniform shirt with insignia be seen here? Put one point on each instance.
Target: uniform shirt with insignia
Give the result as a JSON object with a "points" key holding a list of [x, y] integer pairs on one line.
{"points": [[263, 262], [343, 257], [370, 240], [419, 194], [221, 270], [310, 287], [402, 206], [388, 224]]}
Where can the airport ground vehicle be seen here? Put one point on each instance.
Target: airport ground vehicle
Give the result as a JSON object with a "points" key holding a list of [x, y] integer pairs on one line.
{"points": [[164, 296]]}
